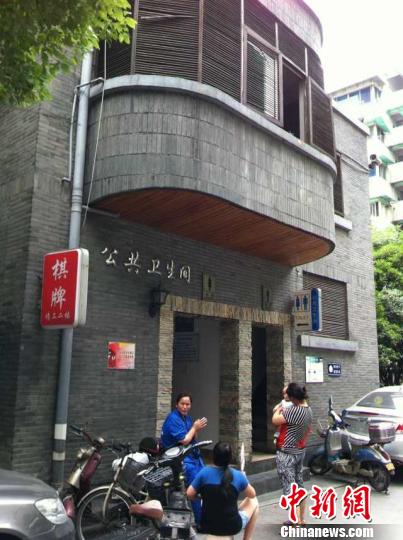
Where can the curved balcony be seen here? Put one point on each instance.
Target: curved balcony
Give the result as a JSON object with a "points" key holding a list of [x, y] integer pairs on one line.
{"points": [[396, 173], [187, 159], [394, 138]]}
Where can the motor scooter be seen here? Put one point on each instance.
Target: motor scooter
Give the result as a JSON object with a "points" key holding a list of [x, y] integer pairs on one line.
{"points": [[344, 453], [78, 483]]}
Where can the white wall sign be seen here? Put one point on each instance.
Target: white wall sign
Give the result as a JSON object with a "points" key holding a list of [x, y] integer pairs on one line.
{"points": [[314, 369]]}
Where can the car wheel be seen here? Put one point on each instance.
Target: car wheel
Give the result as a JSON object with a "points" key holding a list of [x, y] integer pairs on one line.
{"points": [[319, 464]]}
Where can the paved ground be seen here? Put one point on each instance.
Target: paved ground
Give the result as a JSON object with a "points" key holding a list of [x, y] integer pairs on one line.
{"points": [[386, 510]]}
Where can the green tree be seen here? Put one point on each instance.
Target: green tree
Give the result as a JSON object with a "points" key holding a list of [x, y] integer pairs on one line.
{"points": [[388, 260], [40, 38]]}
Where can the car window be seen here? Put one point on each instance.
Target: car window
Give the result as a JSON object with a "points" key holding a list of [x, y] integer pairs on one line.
{"points": [[398, 401], [378, 400]]}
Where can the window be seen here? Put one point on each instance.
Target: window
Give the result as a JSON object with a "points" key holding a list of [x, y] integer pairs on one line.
{"points": [[262, 85], [374, 208], [283, 78], [293, 85], [334, 305], [382, 171], [338, 189], [398, 122], [360, 96], [378, 400], [378, 132], [365, 95]]}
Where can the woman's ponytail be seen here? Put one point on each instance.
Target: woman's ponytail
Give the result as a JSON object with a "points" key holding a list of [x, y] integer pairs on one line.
{"points": [[222, 456]]}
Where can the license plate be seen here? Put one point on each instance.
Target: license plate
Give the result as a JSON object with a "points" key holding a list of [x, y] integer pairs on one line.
{"points": [[390, 466]]}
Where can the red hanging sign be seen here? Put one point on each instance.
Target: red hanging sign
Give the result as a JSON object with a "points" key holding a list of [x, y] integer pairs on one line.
{"points": [[64, 289]]}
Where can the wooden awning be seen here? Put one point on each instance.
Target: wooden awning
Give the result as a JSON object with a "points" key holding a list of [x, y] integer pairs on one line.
{"points": [[209, 219]]}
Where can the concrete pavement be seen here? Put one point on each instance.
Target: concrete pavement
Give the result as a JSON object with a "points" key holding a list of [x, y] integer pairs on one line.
{"points": [[386, 511]]}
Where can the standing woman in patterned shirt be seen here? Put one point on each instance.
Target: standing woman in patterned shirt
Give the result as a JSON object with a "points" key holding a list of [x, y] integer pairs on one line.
{"points": [[295, 426]]}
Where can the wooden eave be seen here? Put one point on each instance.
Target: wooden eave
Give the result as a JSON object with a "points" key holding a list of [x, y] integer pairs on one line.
{"points": [[209, 219]]}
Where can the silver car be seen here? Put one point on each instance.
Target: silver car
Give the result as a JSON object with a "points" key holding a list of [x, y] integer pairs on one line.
{"points": [[30, 509], [381, 404]]}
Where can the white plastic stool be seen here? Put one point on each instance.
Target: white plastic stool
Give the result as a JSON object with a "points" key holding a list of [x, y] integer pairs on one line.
{"points": [[212, 537]]}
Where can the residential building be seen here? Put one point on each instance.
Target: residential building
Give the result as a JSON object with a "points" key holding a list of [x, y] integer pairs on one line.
{"points": [[378, 102], [217, 171]]}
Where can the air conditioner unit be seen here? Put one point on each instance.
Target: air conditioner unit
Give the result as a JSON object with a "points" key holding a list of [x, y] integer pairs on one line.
{"points": [[374, 161]]}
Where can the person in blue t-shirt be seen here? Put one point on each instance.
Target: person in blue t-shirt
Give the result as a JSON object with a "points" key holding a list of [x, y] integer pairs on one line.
{"points": [[219, 487], [179, 428]]}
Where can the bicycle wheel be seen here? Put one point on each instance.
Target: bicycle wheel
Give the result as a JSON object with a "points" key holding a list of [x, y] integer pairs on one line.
{"points": [[95, 518]]}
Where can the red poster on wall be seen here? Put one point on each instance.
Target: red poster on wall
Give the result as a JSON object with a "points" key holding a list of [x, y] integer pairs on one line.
{"points": [[121, 355], [64, 289]]}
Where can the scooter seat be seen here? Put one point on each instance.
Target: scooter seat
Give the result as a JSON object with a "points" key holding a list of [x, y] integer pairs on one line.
{"points": [[151, 509], [358, 441]]}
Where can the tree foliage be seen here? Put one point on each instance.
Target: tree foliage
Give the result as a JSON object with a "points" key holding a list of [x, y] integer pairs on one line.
{"points": [[388, 260], [40, 38]]}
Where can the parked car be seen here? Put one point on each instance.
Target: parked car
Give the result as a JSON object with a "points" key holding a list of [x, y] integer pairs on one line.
{"points": [[29, 508], [382, 404]]}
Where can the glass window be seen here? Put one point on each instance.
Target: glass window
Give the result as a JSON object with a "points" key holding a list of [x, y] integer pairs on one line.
{"points": [[374, 207], [378, 400], [398, 401], [380, 133], [340, 98], [365, 95], [382, 171]]}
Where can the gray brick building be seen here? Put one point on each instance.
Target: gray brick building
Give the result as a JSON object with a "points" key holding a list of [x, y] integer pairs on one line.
{"points": [[216, 170]]}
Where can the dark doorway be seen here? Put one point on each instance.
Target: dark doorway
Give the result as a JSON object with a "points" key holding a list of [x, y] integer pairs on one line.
{"points": [[259, 389], [291, 101], [196, 368]]}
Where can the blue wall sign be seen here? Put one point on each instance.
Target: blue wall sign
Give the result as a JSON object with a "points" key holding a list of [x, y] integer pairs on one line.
{"points": [[316, 309], [334, 369]]}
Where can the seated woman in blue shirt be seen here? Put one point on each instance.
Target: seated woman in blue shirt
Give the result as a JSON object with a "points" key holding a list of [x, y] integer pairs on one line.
{"points": [[179, 428], [220, 486]]}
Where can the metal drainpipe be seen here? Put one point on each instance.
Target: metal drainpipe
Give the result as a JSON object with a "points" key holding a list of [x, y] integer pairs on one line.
{"points": [[62, 398]]}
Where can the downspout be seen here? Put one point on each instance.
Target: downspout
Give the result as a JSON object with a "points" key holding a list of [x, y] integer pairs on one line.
{"points": [[63, 389]]}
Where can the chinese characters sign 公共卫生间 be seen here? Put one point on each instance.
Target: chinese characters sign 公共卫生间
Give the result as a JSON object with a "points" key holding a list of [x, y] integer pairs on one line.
{"points": [[64, 289]]}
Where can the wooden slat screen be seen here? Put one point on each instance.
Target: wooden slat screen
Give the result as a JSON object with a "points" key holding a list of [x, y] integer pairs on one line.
{"points": [[118, 57], [334, 305], [291, 46], [315, 67], [262, 90], [261, 21], [321, 119], [222, 46], [338, 189], [168, 38]]}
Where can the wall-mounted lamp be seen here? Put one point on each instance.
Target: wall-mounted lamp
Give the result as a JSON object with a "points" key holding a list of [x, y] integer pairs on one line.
{"points": [[158, 298]]}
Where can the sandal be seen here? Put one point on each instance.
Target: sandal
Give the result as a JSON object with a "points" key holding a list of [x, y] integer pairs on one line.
{"points": [[289, 523]]}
